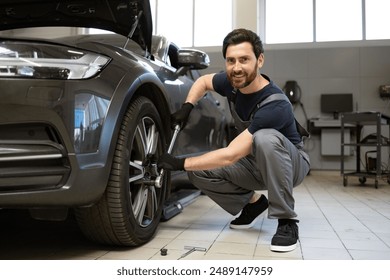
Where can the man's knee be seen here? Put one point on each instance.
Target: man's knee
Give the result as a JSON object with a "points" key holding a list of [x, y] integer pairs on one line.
{"points": [[197, 177], [201, 179], [192, 176], [265, 139]]}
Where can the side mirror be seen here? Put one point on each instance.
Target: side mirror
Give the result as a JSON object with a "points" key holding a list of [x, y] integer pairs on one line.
{"points": [[193, 59]]}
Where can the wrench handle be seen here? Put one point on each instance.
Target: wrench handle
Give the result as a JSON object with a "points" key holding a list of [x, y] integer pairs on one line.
{"points": [[170, 148], [173, 140]]}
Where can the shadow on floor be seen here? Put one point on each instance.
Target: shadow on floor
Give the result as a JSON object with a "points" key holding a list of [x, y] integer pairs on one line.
{"points": [[22, 237]]}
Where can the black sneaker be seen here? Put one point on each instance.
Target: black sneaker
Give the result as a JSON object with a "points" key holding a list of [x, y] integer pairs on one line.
{"points": [[249, 214], [286, 236]]}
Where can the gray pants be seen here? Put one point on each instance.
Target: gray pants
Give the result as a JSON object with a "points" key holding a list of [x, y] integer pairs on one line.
{"points": [[275, 164]]}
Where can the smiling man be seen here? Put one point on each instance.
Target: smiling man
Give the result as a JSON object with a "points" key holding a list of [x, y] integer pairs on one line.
{"points": [[267, 153]]}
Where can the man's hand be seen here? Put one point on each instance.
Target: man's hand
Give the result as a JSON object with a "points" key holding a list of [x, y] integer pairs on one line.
{"points": [[181, 116], [170, 163]]}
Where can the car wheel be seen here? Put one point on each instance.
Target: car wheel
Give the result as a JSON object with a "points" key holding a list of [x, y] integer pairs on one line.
{"points": [[130, 209]]}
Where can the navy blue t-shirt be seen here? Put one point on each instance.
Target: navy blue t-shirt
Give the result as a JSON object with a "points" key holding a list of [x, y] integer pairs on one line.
{"points": [[277, 114]]}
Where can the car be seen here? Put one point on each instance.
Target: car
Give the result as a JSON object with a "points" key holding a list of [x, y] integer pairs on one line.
{"points": [[84, 118]]}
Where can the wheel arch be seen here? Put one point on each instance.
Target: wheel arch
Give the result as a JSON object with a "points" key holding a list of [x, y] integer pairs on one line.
{"points": [[158, 97], [147, 85]]}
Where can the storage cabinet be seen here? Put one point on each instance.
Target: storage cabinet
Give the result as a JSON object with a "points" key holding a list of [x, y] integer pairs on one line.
{"points": [[373, 168]]}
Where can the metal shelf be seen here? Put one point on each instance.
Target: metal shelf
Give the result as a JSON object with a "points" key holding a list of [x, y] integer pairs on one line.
{"points": [[360, 119]]}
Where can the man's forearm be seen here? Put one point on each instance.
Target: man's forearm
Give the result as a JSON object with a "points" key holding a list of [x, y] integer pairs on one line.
{"points": [[210, 160], [238, 148]]}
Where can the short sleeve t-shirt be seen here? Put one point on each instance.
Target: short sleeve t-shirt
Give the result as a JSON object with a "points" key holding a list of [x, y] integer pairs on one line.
{"points": [[277, 114]]}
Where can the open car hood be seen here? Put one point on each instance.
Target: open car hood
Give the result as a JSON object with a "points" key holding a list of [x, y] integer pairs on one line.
{"points": [[118, 16]]}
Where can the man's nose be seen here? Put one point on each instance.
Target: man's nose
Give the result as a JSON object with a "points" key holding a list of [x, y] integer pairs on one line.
{"points": [[237, 66]]}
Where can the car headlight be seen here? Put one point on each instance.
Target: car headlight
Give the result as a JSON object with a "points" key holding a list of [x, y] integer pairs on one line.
{"points": [[45, 61]]}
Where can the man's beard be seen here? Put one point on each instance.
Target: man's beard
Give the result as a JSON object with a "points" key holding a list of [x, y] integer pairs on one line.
{"points": [[243, 79]]}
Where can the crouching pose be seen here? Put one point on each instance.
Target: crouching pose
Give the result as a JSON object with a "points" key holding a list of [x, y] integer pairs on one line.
{"points": [[267, 154]]}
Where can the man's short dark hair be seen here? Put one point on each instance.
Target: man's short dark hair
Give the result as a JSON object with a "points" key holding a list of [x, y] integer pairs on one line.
{"points": [[240, 35]]}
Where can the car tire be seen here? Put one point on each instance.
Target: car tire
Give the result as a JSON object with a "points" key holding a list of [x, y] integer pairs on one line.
{"points": [[130, 210]]}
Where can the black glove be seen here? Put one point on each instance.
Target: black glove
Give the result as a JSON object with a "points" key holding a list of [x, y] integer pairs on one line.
{"points": [[170, 163], [180, 117]]}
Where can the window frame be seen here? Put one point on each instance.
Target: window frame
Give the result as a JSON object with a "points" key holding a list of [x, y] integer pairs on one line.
{"points": [[261, 5]]}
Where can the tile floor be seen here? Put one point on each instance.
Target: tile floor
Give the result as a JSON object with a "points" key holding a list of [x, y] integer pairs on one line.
{"points": [[336, 223]]}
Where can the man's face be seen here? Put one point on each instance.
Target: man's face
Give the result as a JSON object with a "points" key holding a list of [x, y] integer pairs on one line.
{"points": [[242, 65]]}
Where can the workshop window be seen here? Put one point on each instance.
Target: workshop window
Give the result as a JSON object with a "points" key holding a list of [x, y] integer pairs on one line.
{"points": [[288, 21], [298, 21], [338, 20], [377, 19], [190, 23]]}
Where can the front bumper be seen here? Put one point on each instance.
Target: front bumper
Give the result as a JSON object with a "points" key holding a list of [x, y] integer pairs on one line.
{"points": [[38, 163]]}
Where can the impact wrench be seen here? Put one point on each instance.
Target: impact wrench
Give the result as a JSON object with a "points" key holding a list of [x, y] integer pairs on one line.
{"points": [[159, 179]]}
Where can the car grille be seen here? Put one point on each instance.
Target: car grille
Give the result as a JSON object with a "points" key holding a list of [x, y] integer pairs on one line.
{"points": [[32, 157]]}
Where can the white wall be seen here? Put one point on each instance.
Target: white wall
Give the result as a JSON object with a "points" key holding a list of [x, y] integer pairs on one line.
{"points": [[357, 70], [245, 14]]}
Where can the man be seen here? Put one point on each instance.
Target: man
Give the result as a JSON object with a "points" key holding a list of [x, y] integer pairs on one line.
{"points": [[267, 153]]}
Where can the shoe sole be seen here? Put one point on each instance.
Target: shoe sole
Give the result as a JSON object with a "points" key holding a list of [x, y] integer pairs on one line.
{"points": [[278, 248], [233, 226]]}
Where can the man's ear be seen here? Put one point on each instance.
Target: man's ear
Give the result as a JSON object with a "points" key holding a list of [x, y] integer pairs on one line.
{"points": [[260, 60]]}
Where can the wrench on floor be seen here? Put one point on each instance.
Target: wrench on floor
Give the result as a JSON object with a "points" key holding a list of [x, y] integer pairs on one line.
{"points": [[192, 249]]}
